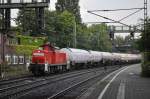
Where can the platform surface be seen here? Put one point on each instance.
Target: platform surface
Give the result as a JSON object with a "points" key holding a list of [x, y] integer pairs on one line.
{"points": [[127, 83]]}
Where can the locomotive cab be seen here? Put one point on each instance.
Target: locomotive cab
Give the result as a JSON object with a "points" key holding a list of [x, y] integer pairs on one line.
{"points": [[47, 59]]}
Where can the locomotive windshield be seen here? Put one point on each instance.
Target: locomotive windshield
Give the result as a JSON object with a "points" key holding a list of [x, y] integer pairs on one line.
{"points": [[40, 48]]}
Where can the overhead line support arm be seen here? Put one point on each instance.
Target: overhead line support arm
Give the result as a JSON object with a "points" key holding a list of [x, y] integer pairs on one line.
{"points": [[116, 9]]}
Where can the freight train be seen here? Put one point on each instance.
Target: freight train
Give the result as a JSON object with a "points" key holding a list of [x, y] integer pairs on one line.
{"points": [[49, 59]]}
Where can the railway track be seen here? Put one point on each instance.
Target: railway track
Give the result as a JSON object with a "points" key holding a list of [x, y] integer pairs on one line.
{"points": [[21, 89], [61, 94], [71, 87], [9, 82], [12, 82]]}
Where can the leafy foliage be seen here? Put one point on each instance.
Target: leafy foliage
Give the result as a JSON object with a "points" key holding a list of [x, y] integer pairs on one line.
{"points": [[146, 69], [144, 46], [70, 5], [119, 41], [50, 24], [28, 44], [28, 40], [60, 26], [25, 49], [26, 21], [99, 38], [64, 29], [144, 41]]}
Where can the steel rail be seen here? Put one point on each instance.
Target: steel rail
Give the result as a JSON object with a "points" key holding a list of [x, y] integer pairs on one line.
{"points": [[35, 84], [55, 96]]}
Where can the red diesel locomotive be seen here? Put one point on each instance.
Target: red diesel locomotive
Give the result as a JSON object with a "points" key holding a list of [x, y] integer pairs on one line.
{"points": [[48, 59]]}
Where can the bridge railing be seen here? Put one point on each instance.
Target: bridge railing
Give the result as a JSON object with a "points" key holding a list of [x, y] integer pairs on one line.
{"points": [[125, 29]]}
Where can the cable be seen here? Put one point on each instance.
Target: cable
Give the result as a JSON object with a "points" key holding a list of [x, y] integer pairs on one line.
{"points": [[99, 22], [108, 18], [130, 14], [116, 9]]}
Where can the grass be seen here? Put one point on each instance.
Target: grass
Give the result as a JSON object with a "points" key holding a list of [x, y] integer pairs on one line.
{"points": [[13, 71]]}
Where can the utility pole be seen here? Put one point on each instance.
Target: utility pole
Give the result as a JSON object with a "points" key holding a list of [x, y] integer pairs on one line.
{"points": [[98, 39], [145, 15], [75, 33], [145, 23]]}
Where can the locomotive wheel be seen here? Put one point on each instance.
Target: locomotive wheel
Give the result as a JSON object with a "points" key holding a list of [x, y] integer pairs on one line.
{"points": [[64, 68], [42, 73], [36, 73]]}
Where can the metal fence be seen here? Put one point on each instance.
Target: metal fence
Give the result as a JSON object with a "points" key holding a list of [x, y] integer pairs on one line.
{"points": [[16, 59], [23, 1]]}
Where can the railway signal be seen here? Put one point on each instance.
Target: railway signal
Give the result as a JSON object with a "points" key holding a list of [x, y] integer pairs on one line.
{"points": [[111, 31]]}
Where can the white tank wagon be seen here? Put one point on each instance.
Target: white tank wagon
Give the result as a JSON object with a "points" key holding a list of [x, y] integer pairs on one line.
{"points": [[96, 58], [107, 58], [116, 58], [78, 57], [132, 58], [139, 57]]}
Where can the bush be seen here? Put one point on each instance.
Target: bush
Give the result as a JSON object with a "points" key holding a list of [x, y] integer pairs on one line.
{"points": [[28, 40], [146, 69], [13, 71], [25, 49], [146, 56]]}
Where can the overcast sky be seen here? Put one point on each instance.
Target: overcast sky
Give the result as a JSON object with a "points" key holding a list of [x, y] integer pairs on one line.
{"points": [[86, 5]]}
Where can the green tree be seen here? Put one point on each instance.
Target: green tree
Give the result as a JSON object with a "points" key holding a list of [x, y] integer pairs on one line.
{"points": [[50, 24], [144, 47], [70, 5], [83, 37], [26, 21], [145, 38], [99, 38], [64, 28], [119, 41]]}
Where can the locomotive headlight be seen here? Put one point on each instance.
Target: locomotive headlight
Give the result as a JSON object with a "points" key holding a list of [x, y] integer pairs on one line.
{"points": [[38, 54], [46, 66]]}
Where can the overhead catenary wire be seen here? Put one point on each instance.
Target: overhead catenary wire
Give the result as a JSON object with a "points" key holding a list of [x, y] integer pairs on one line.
{"points": [[99, 22], [130, 14], [115, 10], [110, 19]]}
